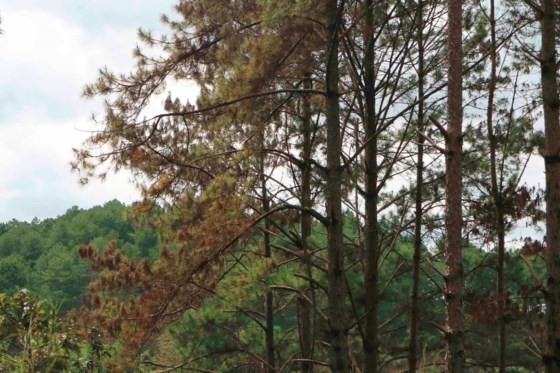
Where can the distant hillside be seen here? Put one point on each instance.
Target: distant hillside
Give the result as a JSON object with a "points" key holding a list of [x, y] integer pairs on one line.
{"points": [[42, 255]]}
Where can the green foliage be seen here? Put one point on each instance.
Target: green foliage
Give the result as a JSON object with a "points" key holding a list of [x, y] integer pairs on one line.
{"points": [[35, 339], [232, 318], [15, 272], [226, 329], [250, 60], [42, 255]]}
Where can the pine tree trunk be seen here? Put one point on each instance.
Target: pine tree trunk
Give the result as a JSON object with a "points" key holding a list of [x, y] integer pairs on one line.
{"points": [[269, 307], [371, 340], [335, 256], [305, 311], [455, 354], [415, 301], [551, 105], [496, 192]]}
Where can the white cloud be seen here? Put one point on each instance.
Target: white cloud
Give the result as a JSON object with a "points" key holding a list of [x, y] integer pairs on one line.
{"points": [[44, 55], [35, 166], [46, 60], [534, 175], [40, 42]]}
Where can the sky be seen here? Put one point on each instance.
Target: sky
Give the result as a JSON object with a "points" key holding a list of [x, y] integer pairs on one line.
{"points": [[49, 51]]}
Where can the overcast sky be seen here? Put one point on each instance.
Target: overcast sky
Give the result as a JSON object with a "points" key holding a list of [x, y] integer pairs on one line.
{"points": [[49, 50]]}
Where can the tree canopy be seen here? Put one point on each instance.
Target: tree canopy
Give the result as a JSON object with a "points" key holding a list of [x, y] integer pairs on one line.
{"points": [[341, 196]]}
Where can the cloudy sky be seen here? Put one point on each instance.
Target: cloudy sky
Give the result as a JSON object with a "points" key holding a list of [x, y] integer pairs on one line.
{"points": [[49, 50]]}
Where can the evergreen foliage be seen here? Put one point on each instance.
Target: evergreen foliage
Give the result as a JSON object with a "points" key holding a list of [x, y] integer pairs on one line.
{"points": [[42, 255], [282, 198]]}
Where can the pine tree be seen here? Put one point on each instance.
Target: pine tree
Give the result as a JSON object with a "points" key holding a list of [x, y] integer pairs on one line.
{"points": [[551, 107], [455, 354]]}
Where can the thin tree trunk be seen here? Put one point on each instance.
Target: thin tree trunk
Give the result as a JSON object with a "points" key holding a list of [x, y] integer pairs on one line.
{"points": [[269, 311], [335, 256], [501, 232], [551, 105], [455, 354], [496, 192], [305, 315], [415, 301], [371, 340]]}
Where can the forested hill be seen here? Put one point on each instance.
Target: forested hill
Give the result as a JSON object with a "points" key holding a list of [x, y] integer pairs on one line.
{"points": [[41, 256]]}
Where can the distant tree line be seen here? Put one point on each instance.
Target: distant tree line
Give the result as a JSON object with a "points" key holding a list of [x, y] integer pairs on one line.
{"points": [[42, 256]]}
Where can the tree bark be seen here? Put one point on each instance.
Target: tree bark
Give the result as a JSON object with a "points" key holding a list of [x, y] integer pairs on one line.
{"points": [[371, 338], [455, 354], [335, 256], [549, 78], [305, 314], [497, 195], [415, 300], [269, 306]]}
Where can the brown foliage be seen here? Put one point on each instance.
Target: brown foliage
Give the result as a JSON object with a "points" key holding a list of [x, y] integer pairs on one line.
{"points": [[490, 309], [134, 300], [531, 247]]}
